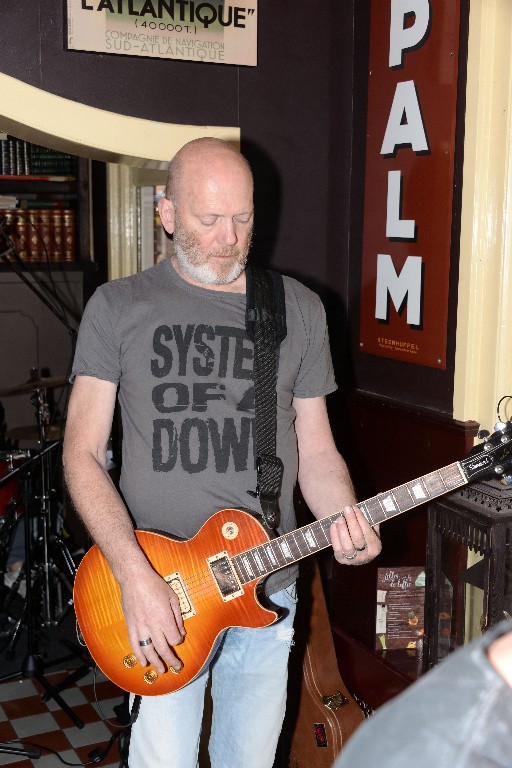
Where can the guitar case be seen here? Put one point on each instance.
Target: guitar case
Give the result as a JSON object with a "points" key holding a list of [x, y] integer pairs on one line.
{"points": [[321, 713]]}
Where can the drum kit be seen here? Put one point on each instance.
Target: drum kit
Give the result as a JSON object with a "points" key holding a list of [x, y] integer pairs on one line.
{"points": [[42, 594], [10, 489]]}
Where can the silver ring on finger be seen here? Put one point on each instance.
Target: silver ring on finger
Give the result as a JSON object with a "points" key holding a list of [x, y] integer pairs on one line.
{"points": [[143, 643], [350, 557], [361, 549]]}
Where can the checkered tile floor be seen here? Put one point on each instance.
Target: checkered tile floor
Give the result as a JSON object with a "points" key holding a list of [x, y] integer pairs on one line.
{"points": [[24, 716]]}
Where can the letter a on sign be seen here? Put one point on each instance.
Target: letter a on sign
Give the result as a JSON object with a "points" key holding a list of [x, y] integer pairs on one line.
{"points": [[405, 124]]}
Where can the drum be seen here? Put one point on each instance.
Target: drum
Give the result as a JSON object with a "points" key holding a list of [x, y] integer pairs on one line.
{"points": [[10, 492]]}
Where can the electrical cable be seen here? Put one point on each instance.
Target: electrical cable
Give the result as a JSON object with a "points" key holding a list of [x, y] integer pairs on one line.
{"points": [[498, 407]]}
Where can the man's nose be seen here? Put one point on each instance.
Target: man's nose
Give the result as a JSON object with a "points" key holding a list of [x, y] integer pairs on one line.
{"points": [[228, 235]]}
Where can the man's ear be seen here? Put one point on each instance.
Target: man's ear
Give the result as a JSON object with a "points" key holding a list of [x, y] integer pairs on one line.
{"points": [[167, 214]]}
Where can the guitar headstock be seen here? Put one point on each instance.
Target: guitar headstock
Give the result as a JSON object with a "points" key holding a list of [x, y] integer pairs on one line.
{"points": [[492, 457]]}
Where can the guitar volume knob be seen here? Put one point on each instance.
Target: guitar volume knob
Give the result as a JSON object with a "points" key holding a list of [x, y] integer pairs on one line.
{"points": [[150, 676], [129, 661]]}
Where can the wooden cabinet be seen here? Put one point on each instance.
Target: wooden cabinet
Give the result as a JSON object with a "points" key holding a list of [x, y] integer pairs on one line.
{"points": [[469, 586]]}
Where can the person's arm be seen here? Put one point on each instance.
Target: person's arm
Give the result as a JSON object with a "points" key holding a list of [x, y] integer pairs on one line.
{"points": [[326, 486], [146, 597]]}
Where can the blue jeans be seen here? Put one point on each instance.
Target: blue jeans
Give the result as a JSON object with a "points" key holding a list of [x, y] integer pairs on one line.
{"points": [[249, 676]]}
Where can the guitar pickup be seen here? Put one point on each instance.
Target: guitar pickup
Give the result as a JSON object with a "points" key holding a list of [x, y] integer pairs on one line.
{"points": [[225, 576], [175, 581]]}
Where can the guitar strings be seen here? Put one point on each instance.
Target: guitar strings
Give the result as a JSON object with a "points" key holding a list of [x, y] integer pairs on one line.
{"points": [[197, 585]]}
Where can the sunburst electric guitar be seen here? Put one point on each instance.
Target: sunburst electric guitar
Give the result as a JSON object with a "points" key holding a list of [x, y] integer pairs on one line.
{"points": [[216, 573]]}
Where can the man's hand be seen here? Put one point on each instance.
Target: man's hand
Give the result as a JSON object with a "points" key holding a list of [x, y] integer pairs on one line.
{"points": [[354, 540], [155, 624]]}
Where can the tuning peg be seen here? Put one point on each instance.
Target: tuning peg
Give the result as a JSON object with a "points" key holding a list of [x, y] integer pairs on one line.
{"points": [[483, 434], [500, 426], [506, 480]]}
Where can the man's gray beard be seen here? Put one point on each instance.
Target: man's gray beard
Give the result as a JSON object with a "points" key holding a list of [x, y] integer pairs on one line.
{"points": [[204, 273]]}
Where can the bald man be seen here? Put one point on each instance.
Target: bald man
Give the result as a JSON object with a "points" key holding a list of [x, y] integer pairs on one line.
{"points": [[171, 344]]}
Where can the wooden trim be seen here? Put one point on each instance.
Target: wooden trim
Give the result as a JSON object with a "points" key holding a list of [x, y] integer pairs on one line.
{"points": [[43, 118], [483, 366]]}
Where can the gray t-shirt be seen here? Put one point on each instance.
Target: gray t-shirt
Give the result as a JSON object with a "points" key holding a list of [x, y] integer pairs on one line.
{"points": [[183, 363]]}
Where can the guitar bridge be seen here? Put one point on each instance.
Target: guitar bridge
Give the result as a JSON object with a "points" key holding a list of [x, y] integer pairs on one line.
{"points": [[225, 576], [175, 581]]}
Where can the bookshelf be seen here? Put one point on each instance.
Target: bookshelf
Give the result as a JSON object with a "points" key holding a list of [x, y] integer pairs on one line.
{"points": [[44, 203]]}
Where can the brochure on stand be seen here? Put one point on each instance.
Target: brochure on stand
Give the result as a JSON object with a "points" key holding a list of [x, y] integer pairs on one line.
{"points": [[400, 608]]}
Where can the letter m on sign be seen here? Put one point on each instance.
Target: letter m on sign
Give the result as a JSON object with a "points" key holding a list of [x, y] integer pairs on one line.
{"points": [[405, 287]]}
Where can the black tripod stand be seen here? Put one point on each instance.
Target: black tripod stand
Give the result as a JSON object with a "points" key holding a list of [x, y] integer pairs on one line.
{"points": [[40, 570]]}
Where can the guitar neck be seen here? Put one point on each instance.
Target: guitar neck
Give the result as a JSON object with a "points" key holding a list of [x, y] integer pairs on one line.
{"points": [[296, 545]]}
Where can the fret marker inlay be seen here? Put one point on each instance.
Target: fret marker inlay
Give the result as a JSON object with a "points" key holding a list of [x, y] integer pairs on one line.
{"points": [[418, 491], [270, 555], [285, 549]]}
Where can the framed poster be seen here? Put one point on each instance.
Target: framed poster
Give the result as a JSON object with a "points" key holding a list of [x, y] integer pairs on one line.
{"points": [[220, 32]]}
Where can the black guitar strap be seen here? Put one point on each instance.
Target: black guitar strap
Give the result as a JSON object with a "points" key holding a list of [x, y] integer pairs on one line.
{"points": [[266, 327]]}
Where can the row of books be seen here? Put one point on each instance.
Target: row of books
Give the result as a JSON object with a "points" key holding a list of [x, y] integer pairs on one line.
{"points": [[39, 235], [21, 158], [9, 201]]}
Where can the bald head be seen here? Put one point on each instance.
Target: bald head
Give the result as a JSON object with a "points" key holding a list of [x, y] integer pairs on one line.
{"points": [[199, 158], [209, 211]]}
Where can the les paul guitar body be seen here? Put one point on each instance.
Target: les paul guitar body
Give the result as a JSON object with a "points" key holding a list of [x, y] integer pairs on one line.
{"points": [[211, 597]]}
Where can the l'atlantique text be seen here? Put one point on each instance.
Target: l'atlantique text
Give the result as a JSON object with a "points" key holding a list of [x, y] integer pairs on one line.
{"points": [[177, 10]]}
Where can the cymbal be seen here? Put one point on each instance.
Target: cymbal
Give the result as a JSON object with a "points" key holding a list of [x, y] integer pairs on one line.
{"points": [[55, 432], [30, 386]]}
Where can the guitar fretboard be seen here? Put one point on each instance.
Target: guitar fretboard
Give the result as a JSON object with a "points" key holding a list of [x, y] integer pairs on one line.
{"points": [[412, 494], [288, 549]]}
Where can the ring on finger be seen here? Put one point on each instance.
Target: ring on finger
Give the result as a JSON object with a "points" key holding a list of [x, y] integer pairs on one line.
{"points": [[360, 549], [350, 557], [143, 643]]}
